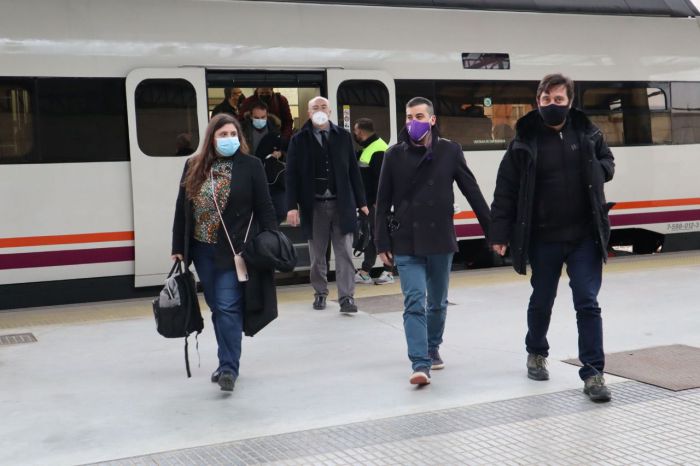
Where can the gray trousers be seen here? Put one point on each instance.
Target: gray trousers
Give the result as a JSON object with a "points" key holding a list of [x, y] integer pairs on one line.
{"points": [[327, 225]]}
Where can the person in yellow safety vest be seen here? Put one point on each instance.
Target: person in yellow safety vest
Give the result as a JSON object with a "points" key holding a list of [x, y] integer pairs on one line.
{"points": [[370, 158]]}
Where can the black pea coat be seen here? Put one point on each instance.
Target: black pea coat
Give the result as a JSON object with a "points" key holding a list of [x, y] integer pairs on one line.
{"points": [[300, 177], [513, 200], [249, 194], [427, 226]]}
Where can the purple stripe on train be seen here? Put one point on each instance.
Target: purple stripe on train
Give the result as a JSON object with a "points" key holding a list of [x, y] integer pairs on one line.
{"points": [[70, 257]]}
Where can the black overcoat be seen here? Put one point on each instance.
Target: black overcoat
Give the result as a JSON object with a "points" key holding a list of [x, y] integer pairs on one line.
{"points": [[300, 177], [513, 200], [427, 226], [249, 194]]}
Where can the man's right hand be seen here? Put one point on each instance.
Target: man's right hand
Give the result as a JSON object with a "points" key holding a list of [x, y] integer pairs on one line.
{"points": [[387, 258], [293, 217], [175, 257], [499, 249]]}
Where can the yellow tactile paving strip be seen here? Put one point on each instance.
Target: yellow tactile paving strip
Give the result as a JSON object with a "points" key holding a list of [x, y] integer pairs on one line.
{"points": [[138, 308]]}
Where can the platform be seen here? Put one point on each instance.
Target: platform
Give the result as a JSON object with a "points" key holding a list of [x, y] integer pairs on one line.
{"points": [[317, 387]]}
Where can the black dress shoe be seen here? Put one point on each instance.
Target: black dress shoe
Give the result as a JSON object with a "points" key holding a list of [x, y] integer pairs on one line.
{"points": [[319, 302], [347, 305], [215, 376], [226, 381]]}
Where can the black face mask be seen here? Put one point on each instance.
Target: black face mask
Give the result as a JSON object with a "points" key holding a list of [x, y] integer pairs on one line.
{"points": [[265, 98], [554, 115]]}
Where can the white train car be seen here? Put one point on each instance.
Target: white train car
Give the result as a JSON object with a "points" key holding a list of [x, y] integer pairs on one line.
{"points": [[94, 94]]}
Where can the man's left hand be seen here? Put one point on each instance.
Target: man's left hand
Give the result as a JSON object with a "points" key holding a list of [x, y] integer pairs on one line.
{"points": [[364, 210]]}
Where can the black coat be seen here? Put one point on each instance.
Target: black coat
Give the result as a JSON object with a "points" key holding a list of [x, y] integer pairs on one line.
{"points": [[427, 225], [300, 177], [249, 194], [513, 200]]}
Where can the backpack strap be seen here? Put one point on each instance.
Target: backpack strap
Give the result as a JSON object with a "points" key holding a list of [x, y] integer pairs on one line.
{"points": [[187, 361]]}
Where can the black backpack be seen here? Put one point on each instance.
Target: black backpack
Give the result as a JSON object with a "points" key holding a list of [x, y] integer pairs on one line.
{"points": [[176, 309]]}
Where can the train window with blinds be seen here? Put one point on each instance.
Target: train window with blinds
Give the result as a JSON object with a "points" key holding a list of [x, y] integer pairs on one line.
{"points": [[364, 99], [629, 114], [166, 117], [685, 107], [16, 120]]}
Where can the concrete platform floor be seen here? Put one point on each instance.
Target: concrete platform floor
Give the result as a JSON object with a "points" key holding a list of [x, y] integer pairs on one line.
{"points": [[100, 384]]}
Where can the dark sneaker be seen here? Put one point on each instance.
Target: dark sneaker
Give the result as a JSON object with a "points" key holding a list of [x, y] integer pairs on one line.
{"points": [[319, 302], [347, 305], [594, 387], [420, 376], [226, 381], [215, 376], [537, 367], [438, 363]]}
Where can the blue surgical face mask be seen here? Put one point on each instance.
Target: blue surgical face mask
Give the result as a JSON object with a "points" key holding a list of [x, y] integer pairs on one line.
{"points": [[226, 147], [259, 123]]}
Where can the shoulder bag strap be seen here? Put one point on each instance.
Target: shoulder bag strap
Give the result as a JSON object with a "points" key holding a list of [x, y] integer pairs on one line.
{"points": [[213, 193]]}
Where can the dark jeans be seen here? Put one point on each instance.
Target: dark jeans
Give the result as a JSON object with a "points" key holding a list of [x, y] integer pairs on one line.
{"points": [[224, 296], [584, 265], [424, 319]]}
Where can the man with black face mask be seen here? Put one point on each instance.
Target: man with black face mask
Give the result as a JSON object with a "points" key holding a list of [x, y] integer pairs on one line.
{"points": [[276, 104], [549, 207]]}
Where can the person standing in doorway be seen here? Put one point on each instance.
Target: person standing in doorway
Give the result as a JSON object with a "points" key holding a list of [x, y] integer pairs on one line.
{"points": [[549, 207], [324, 191], [370, 157]]}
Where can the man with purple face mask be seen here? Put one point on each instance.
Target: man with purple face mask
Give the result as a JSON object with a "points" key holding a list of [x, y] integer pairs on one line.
{"points": [[549, 207], [415, 227]]}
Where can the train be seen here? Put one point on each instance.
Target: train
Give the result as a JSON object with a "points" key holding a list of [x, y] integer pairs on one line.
{"points": [[96, 94]]}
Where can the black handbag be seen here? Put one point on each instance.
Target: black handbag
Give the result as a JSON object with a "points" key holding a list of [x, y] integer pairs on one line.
{"points": [[176, 309], [269, 250]]}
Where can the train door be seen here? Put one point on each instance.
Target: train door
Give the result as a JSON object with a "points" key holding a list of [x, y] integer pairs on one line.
{"points": [[167, 115], [356, 94]]}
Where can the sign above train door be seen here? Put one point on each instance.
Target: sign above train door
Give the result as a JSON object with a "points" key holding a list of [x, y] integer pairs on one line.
{"points": [[167, 114]]}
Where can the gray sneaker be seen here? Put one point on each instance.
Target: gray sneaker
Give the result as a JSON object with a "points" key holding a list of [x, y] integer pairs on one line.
{"points": [[594, 387], [537, 367], [437, 362]]}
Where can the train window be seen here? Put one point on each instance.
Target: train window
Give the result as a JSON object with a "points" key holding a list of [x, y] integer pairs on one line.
{"points": [[166, 117], [482, 115], [685, 100], [628, 113], [364, 99], [82, 120], [16, 121]]}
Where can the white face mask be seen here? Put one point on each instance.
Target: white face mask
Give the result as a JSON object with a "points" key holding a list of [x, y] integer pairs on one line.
{"points": [[319, 118]]}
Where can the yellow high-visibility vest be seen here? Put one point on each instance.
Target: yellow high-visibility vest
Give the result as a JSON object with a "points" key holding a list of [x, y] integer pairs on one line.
{"points": [[377, 146]]}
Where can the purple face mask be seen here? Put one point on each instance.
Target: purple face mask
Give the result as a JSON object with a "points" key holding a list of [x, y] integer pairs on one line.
{"points": [[417, 130]]}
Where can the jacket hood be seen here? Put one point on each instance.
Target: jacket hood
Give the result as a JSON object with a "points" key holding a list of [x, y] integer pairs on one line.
{"points": [[526, 127]]}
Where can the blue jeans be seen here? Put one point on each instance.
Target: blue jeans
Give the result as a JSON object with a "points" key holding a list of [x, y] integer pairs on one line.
{"points": [[584, 265], [421, 275], [224, 296]]}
